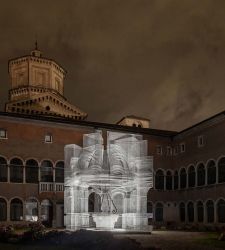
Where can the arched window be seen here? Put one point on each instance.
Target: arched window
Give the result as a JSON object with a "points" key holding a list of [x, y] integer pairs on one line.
{"points": [[31, 210], [221, 211], [159, 212], [190, 211], [182, 212], [175, 184], [200, 211], [210, 211], [46, 171], [159, 180], [3, 170], [16, 170], [201, 174], [211, 172], [169, 181], [31, 171], [3, 210], [191, 176], [94, 203], [16, 210], [221, 170], [183, 178], [59, 172]]}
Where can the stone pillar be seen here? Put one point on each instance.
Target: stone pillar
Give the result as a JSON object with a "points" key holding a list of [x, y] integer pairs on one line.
{"points": [[54, 214], [24, 175], [8, 173]]}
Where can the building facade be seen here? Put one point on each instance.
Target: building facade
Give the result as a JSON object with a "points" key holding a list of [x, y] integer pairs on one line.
{"points": [[189, 166]]}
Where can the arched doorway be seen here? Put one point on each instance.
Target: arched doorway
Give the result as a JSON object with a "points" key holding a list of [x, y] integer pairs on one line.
{"points": [[46, 213], [16, 210], [94, 203], [31, 210]]}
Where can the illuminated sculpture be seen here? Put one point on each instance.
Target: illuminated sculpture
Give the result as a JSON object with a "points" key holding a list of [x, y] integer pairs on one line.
{"points": [[107, 189]]}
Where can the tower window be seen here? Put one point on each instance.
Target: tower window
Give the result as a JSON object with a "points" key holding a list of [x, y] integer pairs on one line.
{"points": [[3, 134]]}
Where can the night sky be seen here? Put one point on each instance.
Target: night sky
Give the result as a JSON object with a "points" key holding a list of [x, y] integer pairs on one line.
{"points": [[159, 59]]}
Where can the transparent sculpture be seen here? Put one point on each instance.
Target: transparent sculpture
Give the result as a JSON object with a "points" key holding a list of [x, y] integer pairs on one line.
{"points": [[106, 186]]}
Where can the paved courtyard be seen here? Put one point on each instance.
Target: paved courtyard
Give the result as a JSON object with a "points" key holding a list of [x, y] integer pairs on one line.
{"points": [[177, 240]]}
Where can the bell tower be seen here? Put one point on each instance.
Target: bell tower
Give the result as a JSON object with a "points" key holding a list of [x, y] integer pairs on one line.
{"points": [[37, 87]]}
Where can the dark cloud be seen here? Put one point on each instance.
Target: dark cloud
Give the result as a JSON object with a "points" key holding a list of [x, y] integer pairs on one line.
{"points": [[161, 59]]}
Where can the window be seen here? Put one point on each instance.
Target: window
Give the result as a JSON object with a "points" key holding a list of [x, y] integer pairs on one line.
{"points": [[59, 172], [221, 211], [200, 211], [169, 150], [201, 175], [191, 176], [210, 211], [182, 212], [169, 180], [16, 170], [3, 134], [159, 150], [46, 171], [3, 170], [31, 171], [201, 141], [16, 210], [221, 170], [211, 172], [182, 147], [48, 138], [183, 178], [175, 183], [159, 180], [190, 211], [159, 212], [31, 210], [3, 210]]}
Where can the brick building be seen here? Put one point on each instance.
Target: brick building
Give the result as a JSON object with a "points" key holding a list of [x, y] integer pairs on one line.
{"points": [[189, 166]]}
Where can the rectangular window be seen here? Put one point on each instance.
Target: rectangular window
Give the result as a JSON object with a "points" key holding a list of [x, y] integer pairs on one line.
{"points": [[182, 147], [169, 150], [3, 134], [48, 138], [201, 142], [159, 150], [176, 150]]}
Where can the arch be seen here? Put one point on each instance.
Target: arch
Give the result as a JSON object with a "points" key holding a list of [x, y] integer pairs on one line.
{"points": [[175, 180], [159, 180], [94, 203], [183, 178], [221, 170], [201, 174], [211, 172], [159, 212], [59, 172], [210, 211], [190, 211], [191, 176], [46, 171], [200, 211], [3, 169], [182, 211], [16, 170], [221, 211], [31, 171], [31, 209], [3, 209], [169, 180], [16, 209], [46, 212]]}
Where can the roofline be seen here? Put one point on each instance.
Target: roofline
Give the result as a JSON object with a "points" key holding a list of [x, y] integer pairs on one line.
{"points": [[96, 125], [201, 122], [133, 116]]}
